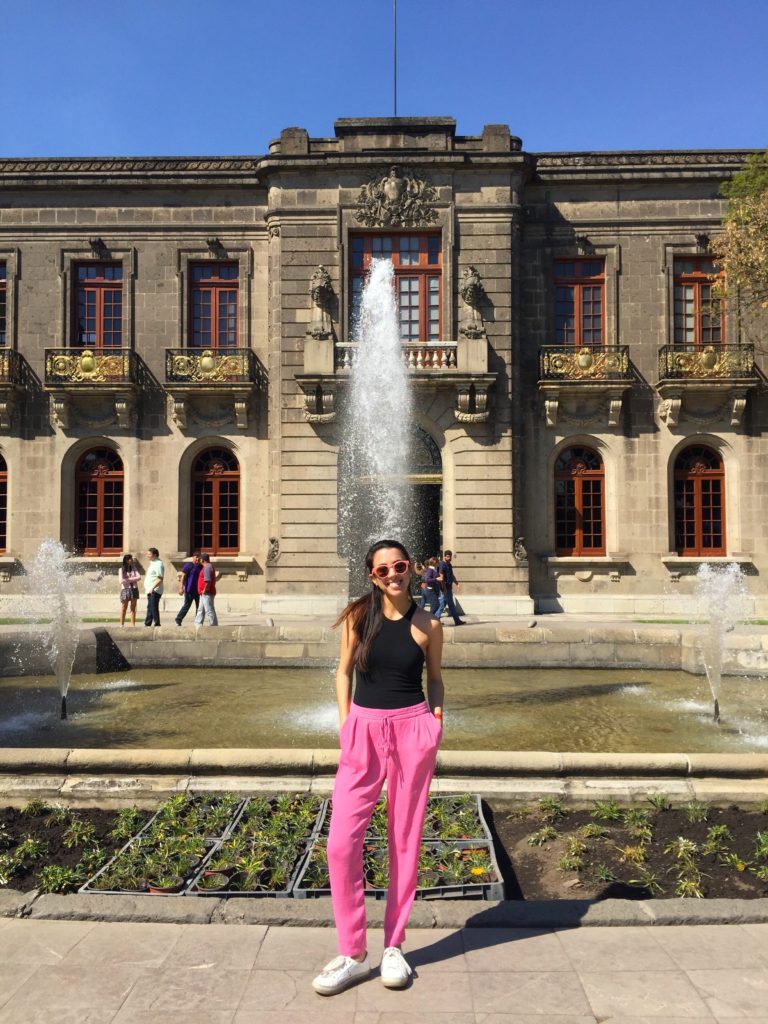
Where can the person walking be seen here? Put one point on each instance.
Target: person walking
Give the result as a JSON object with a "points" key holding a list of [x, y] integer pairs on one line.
{"points": [[447, 579], [206, 588], [389, 732], [153, 587], [430, 592], [190, 572], [129, 576]]}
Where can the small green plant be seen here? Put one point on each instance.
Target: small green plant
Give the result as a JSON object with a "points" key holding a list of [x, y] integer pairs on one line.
{"points": [[764, 807], [606, 810], [551, 808], [6, 839], [30, 849], [735, 860], [7, 868], [761, 872], [682, 849], [573, 858], [632, 854], [543, 835], [127, 823], [79, 833], [690, 888], [660, 801], [638, 824], [54, 878], [59, 815], [34, 808], [648, 880], [602, 873], [92, 859], [717, 838], [761, 845], [593, 831], [696, 811]]}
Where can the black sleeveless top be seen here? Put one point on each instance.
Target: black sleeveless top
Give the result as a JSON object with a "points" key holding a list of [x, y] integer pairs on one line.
{"points": [[395, 665]]}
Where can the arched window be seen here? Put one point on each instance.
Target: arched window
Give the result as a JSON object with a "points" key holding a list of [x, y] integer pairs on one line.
{"points": [[579, 503], [216, 503], [99, 511], [3, 505], [699, 502]]}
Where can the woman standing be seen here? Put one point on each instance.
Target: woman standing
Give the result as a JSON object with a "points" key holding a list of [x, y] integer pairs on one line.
{"points": [[388, 733], [129, 588]]}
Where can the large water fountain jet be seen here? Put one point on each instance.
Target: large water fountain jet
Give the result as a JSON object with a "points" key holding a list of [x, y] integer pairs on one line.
{"points": [[376, 490], [51, 592], [721, 598]]}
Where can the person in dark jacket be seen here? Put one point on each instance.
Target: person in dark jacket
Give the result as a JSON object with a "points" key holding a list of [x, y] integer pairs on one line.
{"points": [[447, 580], [188, 586]]}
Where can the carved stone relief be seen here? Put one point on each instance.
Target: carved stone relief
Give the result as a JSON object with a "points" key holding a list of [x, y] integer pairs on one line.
{"points": [[472, 292], [397, 198], [321, 295]]}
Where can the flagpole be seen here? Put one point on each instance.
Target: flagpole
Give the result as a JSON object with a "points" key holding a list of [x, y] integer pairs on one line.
{"points": [[395, 53]]}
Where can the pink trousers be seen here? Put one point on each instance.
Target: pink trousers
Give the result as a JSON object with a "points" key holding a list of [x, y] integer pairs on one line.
{"points": [[400, 747]]}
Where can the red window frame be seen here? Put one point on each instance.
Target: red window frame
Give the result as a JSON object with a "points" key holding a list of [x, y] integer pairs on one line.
{"points": [[580, 302], [699, 317], [216, 503], [99, 490], [3, 303], [3, 505], [579, 503], [97, 315], [699, 488], [214, 301], [417, 258]]}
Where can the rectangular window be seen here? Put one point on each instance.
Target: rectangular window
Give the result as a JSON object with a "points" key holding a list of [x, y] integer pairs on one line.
{"points": [[213, 305], [98, 305], [579, 302], [417, 260], [3, 303], [699, 317]]}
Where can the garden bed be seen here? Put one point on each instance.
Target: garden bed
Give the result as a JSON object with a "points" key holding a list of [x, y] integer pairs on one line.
{"points": [[276, 847], [648, 850]]}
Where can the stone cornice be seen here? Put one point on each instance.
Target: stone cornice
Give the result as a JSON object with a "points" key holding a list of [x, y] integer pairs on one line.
{"points": [[247, 170]]}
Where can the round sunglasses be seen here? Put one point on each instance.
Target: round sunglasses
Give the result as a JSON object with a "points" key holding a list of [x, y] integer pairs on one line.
{"points": [[398, 567]]}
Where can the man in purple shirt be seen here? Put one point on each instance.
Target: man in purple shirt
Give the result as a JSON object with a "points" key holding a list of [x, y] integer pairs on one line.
{"points": [[188, 586]]}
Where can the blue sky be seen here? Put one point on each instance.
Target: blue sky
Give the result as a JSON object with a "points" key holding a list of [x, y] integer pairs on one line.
{"points": [[157, 77]]}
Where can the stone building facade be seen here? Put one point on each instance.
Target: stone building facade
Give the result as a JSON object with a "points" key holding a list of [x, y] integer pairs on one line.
{"points": [[178, 336]]}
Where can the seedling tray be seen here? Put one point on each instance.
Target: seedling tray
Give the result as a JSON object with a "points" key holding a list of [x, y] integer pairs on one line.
{"points": [[469, 805], [304, 843], [488, 889], [210, 841]]}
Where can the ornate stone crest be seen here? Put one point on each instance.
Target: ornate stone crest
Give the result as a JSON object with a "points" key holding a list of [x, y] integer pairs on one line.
{"points": [[397, 198]]}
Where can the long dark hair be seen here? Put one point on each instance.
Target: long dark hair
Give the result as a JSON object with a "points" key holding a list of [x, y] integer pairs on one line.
{"points": [[365, 614], [124, 567]]}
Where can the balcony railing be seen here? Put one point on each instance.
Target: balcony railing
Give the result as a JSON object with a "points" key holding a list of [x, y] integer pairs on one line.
{"points": [[210, 366], [421, 356], [712, 362], [11, 367], [81, 366], [598, 363]]}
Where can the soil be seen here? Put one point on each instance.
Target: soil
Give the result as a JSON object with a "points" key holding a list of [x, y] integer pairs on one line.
{"points": [[530, 872], [533, 872]]}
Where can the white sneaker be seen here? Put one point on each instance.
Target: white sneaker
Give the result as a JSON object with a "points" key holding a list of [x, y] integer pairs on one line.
{"points": [[339, 974], [395, 971]]}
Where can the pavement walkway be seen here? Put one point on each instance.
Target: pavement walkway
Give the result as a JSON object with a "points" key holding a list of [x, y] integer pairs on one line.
{"points": [[84, 972]]}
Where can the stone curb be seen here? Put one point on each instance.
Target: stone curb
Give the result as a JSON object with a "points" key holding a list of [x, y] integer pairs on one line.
{"points": [[317, 913], [274, 761]]}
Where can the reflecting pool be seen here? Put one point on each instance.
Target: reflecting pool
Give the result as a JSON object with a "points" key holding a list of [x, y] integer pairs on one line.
{"points": [[486, 709]]}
